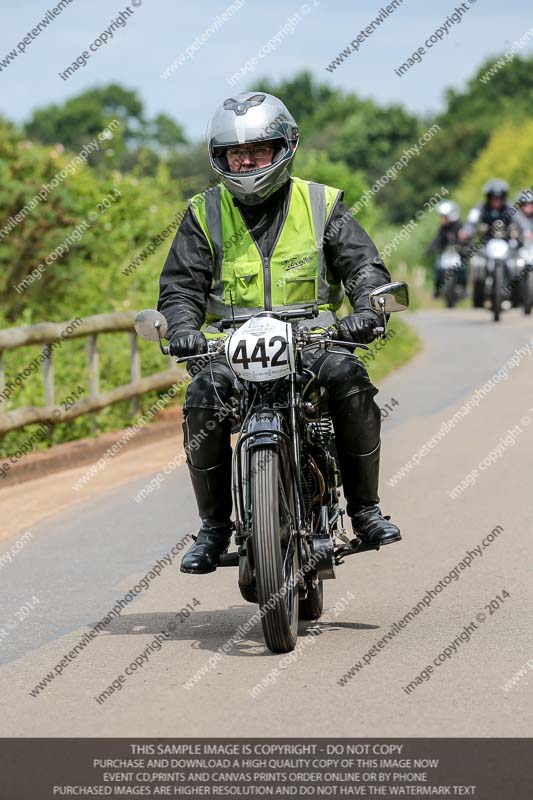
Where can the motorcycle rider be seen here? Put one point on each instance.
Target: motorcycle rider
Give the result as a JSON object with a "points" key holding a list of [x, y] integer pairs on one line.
{"points": [[262, 239], [445, 237], [524, 215], [491, 216]]}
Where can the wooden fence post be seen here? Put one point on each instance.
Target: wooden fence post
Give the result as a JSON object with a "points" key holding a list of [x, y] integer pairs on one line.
{"points": [[52, 334], [94, 376], [48, 368], [135, 366]]}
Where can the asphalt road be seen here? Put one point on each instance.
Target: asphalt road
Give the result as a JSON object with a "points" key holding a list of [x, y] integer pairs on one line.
{"points": [[81, 561]]}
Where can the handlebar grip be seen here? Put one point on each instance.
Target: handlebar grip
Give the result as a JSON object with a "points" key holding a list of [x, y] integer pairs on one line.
{"points": [[213, 349]]}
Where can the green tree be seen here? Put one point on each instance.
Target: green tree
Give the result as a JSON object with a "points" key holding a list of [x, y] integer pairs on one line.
{"points": [[314, 165], [190, 167], [369, 136], [79, 239], [498, 159], [487, 99], [442, 162], [355, 131], [81, 118], [467, 123], [302, 94]]}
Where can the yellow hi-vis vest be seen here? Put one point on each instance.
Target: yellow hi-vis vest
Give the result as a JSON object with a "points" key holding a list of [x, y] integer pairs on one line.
{"points": [[295, 273]]}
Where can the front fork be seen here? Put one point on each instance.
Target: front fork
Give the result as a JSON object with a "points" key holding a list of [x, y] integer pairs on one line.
{"points": [[492, 266], [294, 406], [267, 427]]}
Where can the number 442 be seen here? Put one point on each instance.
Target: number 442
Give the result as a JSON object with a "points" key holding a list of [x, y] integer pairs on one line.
{"points": [[259, 353]]}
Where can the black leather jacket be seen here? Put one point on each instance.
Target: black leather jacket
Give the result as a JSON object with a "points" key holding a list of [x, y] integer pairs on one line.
{"points": [[185, 281], [446, 236], [491, 220]]}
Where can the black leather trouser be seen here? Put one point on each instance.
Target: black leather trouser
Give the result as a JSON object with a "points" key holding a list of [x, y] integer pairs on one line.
{"points": [[354, 412]]}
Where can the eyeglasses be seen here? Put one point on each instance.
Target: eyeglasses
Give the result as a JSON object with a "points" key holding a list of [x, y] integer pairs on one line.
{"points": [[258, 153]]}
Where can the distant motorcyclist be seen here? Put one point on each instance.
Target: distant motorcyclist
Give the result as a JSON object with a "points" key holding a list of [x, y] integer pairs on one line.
{"points": [[488, 219], [524, 215], [494, 219], [447, 236]]}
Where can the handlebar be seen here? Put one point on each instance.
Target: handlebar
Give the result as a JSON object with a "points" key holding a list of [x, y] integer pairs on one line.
{"points": [[304, 337]]}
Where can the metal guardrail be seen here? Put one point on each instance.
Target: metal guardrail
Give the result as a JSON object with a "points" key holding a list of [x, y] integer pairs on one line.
{"points": [[52, 335]]}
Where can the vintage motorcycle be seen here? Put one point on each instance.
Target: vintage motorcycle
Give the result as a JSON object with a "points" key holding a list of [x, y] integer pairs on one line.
{"points": [[497, 253], [494, 267], [449, 268], [525, 276], [490, 276], [289, 528]]}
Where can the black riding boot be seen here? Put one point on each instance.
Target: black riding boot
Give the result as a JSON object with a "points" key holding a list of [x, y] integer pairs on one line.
{"points": [[212, 489], [357, 423]]}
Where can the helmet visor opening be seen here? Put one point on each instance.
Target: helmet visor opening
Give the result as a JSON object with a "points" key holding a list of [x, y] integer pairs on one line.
{"points": [[221, 160]]}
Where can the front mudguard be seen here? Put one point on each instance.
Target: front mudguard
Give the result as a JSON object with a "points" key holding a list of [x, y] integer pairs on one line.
{"points": [[266, 428]]}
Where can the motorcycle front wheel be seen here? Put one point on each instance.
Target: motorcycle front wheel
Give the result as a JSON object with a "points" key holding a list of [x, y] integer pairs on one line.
{"points": [[450, 291], [275, 548]]}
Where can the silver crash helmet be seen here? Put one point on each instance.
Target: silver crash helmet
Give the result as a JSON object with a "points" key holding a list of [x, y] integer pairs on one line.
{"points": [[447, 208], [496, 188], [246, 118]]}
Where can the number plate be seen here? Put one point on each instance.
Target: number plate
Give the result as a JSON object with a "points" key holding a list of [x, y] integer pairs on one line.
{"points": [[261, 350]]}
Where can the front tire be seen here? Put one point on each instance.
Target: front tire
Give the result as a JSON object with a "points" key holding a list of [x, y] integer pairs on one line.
{"points": [[275, 549], [450, 291], [527, 291]]}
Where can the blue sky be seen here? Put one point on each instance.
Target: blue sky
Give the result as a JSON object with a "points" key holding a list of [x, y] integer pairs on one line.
{"points": [[159, 30]]}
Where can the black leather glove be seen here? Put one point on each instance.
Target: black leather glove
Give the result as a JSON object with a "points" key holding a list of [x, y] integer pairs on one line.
{"points": [[188, 343], [359, 327]]}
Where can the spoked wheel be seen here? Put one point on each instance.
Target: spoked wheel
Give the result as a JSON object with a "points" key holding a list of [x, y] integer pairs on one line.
{"points": [[497, 292], [275, 549]]}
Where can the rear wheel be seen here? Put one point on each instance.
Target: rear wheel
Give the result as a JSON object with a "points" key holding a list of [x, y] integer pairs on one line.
{"points": [[497, 292], [313, 605], [275, 549], [248, 593]]}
